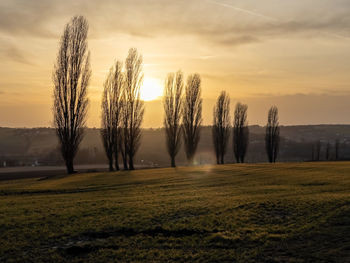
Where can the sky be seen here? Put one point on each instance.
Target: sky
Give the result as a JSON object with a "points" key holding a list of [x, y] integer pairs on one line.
{"points": [[292, 54]]}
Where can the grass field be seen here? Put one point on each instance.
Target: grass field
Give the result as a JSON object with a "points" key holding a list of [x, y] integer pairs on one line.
{"points": [[244, 213]]}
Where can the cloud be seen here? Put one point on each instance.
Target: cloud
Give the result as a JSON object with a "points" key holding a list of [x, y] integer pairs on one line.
{"points": [[26, 18], [205, 20], [249, 12], [17, 55], [9, 51]]}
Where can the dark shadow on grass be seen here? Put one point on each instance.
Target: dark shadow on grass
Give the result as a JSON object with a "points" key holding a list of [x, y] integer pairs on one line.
{"points": [[54, 192], [150, 232], [315, 184], [93, 241], [80, 250]]}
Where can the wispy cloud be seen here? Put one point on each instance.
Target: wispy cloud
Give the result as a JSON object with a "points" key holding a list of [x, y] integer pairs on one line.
{"points": [[334, 35], [242, 10], [10, 51]]}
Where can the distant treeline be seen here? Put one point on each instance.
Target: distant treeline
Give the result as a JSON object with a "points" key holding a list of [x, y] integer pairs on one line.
{"points": [[39, 146]]}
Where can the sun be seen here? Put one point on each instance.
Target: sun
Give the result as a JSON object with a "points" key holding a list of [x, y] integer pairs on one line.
{"points": [[151, 89]]}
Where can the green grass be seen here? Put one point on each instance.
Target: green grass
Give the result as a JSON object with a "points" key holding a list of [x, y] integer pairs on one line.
{"points": [[243, 213]]}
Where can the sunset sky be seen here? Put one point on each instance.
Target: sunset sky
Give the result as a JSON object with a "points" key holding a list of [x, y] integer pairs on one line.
{"points": [[292, 54]]}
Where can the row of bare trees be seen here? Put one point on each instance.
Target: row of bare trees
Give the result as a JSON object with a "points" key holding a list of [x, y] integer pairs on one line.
{"points": [[122, 108], [221, 130], [329, 153], [222, 126], [122, 111], [183, 115]]}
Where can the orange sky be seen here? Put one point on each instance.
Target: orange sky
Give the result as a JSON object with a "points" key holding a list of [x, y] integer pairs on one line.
{"points": [[294, 54]]}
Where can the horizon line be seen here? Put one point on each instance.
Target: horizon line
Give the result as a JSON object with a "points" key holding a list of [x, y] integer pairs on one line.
{"points": [[149, 128]]}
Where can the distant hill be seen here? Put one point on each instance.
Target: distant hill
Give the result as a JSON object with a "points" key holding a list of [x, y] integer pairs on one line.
{"points": [[38, 146]]}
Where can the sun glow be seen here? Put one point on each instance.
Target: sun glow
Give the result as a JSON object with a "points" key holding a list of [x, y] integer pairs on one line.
{"points": [[151, 89]]}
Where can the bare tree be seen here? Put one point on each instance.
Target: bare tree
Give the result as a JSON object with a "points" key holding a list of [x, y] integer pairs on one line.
{"points": [[328, 151], [107, 120], [71, 79], [313, 155], [221, 126], [173, 110], [318, 150], [118, 109], [337, 149], [122, 141], [111, 113], [272, 136], [192, 115], [240, 132], [134, 107]]}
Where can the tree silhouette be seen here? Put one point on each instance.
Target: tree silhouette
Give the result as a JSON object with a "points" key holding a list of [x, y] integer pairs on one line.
{"points": [[221, 126], [134, 107], [240, 132], [328, 151], [192, 115], [337, 149], [122, 141], [318, 150], [272, 135], [173, 110], [71, 79], [118, 109], [111, 113]]}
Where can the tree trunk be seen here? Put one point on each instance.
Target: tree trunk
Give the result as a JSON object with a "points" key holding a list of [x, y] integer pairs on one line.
{"points": [[173, 161], [70, 166], [191, 160], [110, 160], [131, 163], [125, 162], [116, 157]]}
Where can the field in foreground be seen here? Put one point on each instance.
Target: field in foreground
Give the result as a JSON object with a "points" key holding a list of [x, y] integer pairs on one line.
{"points": [[244, 213]]}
